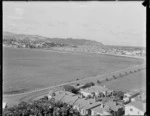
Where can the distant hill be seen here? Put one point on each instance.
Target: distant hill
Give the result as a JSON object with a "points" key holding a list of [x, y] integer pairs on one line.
{"points": [[67, 41]]}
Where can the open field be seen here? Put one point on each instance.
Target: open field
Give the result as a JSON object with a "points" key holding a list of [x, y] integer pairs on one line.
{"points": [[26, 69], [133, 81]]}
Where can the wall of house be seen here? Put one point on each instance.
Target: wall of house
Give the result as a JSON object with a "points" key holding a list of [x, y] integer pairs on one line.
{"points": [[130, 110], [85, 93], [94, 113]]}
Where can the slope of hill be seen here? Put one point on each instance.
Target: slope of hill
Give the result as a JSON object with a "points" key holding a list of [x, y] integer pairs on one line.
{"points": [[67, 41]]}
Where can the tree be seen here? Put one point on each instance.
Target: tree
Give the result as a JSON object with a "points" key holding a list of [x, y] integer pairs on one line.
{"points": [[114, 77], [78, 84], [120, 75], [107, 79], [126, 73], [88, 85], [99, 82]]}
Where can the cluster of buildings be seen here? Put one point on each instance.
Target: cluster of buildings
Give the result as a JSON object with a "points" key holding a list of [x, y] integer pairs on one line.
{"points": [[99, 101], [126, 52], [99, 50], [30, 43]]}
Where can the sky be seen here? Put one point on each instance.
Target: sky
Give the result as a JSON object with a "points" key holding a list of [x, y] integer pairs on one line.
{"points": [[111, 23]]}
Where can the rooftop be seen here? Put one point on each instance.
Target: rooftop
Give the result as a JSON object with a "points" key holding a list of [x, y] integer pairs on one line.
{"points": [[132, 93], [113, 105], [95, 89], [140, 105], [87, 104], [100, 110]]}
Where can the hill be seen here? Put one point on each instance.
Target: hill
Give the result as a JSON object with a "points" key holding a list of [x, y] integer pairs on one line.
{"points": [[65, 41]]}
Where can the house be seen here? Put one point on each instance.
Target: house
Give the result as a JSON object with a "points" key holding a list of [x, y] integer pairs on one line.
{"points": [[4, 105], [84, 106], [135, 108], [94, 89], [100, 110], [108, 108], [65, 96], [128, 97]]}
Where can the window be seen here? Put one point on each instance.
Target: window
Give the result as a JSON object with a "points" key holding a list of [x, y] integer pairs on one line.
{"points": [[131, 109]]}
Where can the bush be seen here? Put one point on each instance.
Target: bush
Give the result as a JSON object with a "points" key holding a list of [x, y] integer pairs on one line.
{"points": [[107, 79], [78, 84], [88, 85], [70, 89], [130, 71], [120, 75], [114, 77], [99, 82]]}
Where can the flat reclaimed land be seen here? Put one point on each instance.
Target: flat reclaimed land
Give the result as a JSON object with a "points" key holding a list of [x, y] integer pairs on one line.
{"points": [[135, 81], [28, 69]]}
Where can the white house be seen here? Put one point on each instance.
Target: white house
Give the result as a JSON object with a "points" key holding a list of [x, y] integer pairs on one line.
{"points": [[4, 105], [135, 108], [94, 89]]}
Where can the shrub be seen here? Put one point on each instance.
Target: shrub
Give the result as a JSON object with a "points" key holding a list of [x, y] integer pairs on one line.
{"points": [[130, 71], [114, 77], [70, 89], [88, 85], [78, 84], [120, 75], [107, 79], [126, 73], [99, 82], [77, 79]]}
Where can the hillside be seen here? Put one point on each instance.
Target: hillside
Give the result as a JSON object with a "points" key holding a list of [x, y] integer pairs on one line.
{"points": [[67, 41]]}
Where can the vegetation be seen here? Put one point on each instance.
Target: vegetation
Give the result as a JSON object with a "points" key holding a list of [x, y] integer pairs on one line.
{"points": [[107, 79], [88, 85], [34, 41], [120, 75], [126, 73], [71, 89], [42, 107], [99, 82], [78, 84], [114, 77]]}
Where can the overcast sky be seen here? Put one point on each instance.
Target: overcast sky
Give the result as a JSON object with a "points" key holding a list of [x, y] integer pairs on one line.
{"points": [[112, 23]]}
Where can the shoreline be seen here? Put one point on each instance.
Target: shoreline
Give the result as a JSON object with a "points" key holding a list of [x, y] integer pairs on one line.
{"points": [[79, 52]]}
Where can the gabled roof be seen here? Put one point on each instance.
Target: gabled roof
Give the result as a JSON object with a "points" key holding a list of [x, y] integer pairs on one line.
{"points": [[86, 104], [112, 105], [101, 110]]}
